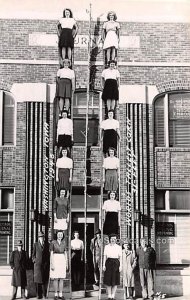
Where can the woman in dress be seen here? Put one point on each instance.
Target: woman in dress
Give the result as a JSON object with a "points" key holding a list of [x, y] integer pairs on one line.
{"points": [[109, 132], [65, 86], [110, 85], [112, 266], [77, 249], [111, 171], [111, 214], [111, 35], [61, 216], [59, 264], [67, 30], [129, 264], [64, 167]]}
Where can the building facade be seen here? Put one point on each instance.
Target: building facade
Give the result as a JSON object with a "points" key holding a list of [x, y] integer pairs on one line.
{"points": [[154, 116]]}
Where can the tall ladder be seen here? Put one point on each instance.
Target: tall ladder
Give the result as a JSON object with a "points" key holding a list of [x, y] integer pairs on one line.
{"points": [[103, 197]]}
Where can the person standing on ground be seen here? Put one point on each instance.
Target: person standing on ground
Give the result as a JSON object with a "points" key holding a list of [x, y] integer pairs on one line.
{"points": [[18, 262], [129, 264], [147, 265], [59, 264], [95, 247], [41, 260], [112, 266]]}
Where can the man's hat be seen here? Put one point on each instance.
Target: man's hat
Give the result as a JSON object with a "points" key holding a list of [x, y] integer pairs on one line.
{"points": [[98, 231], [40, 234], [20, 243]]}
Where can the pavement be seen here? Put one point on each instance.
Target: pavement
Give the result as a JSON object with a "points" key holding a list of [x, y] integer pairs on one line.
{"points": [[119, 296]]}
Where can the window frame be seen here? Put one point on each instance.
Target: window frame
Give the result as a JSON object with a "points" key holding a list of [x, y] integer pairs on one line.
{"points": [[2, 92], [168, 120]]}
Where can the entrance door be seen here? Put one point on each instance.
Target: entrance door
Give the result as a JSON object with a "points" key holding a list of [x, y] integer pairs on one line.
{"points": [[78, 223]]}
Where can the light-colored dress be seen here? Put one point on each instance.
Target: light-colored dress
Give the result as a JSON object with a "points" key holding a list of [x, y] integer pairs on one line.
{"points": [[111, 39], [59, 260], [129, 263]]}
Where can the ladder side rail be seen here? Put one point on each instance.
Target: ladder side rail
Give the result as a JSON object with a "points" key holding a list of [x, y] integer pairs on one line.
{"points": [[101, 215]]}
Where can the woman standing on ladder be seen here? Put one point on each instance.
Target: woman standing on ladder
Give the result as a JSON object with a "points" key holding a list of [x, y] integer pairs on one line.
{"points": [[65, 86], [111, 171], [110, 85], [110, 36], [111, 214], [67, 30]]}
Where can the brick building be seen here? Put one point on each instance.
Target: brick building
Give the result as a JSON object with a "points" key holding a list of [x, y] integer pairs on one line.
{"points": [[154, 115]]}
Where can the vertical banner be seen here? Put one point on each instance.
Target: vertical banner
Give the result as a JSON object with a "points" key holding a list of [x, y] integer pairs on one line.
{"points": [[131, 176]]}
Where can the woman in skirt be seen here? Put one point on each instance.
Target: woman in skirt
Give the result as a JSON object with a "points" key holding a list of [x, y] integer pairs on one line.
{"points": [[67, 30], [111, 171], [65, 86], [77, 249], [59, 264], [61, 216], [129, 264], [109, 132], [64, 131], [111, 214], [110, 85], [111, 35], [64, 167], [112, 266]]}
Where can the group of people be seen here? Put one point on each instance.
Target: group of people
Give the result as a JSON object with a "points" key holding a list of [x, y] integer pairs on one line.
{"points": [[50, 260], [110, 78], [123, 259]]}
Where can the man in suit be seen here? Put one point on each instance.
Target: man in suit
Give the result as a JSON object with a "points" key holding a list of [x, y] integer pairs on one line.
{"points": [[18, 262], [41, 260], [147, 264], [95, 247]]}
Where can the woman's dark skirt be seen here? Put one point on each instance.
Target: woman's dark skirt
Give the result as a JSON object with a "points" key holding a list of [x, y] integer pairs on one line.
{"points": [[63, 175], [76, 265], [64, 88], [66, 38], [111, 223], [111, 180], [109, 140], [111, 274], [110, 90], [64, 140]]}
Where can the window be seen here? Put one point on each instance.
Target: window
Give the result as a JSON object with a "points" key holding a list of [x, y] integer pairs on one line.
{"points": [[79, 118], [172, 120], [167, 200], [7, 117], [6, 224]]}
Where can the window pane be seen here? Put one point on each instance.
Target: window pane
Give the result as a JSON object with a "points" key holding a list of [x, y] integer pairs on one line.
{"points": [[179, 119], [179, 199], [160, 199], [7, 199], [179, 133], [159, 122], [8, 119], [79, 131]]}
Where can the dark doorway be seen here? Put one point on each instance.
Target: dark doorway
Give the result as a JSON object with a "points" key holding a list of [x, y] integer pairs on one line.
{"points": [[91, 226]]}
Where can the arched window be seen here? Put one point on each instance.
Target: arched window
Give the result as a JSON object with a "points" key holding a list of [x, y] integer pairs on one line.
{"points": [[172, 120], [7, 117]]}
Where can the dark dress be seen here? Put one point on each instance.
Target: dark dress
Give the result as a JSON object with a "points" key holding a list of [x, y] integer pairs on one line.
{"points": [[64, 88], [109, 140], [66, 38], [111, 223], [112, 275], [110, 90], [63, 175], [18, 262]]}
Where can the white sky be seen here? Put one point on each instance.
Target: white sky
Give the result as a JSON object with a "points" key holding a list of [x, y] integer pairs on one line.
{"points": [[129, 10]]}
